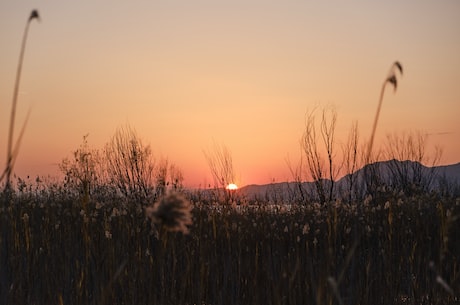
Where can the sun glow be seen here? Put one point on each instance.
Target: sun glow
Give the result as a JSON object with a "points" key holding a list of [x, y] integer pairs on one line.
{"points": [[232, 187]]}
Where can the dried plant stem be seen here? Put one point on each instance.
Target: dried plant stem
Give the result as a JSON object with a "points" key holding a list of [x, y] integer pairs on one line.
{"points": [[11, 155], [391, 78], [376, 119]]}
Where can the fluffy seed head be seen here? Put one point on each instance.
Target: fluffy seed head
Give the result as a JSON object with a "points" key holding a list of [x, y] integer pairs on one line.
{"points": [[171, 211]]}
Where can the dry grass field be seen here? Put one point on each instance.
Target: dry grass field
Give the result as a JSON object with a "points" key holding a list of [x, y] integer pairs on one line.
{"points": [[394, 249]]}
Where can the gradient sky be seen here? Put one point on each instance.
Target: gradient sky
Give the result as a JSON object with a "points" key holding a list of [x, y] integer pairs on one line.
{"points": [[186, 74]]}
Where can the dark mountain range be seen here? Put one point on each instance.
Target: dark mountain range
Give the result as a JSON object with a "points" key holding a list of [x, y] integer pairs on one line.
{"points": [[394, 173]]}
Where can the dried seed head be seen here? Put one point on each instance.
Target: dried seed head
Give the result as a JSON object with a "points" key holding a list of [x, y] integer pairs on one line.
{"points": [[399, 66], [392, 75], [392, 80], [34, 15], [172, 211]]}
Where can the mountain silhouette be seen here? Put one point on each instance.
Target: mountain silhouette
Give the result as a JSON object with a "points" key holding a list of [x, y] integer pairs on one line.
{"points": [[393, 173]]}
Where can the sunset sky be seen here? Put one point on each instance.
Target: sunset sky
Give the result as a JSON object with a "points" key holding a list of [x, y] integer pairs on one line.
{"points": [[187, 74]]}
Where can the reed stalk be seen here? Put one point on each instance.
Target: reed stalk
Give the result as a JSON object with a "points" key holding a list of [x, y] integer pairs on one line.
{"points": [[391, 79], [12, 152]]}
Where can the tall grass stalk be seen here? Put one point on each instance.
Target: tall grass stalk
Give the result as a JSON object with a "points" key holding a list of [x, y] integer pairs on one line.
{"points": [[391, 78], [12, 152]]}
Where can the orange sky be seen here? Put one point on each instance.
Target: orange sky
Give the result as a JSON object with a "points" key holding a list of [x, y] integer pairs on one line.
{"points": [[186, 74]]}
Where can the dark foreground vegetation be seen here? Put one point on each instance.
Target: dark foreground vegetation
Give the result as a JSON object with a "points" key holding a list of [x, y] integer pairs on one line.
{"points": [[390, 249]]}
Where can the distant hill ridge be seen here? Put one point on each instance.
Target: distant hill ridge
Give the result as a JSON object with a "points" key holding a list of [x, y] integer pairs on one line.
{"points": [[387, 171]]}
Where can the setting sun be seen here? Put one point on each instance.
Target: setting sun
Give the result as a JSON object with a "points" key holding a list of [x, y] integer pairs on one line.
{"points": [[232, 187]]}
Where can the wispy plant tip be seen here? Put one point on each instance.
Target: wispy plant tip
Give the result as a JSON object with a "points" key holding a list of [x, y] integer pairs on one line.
{"points": [[399, 66], [392, 75], [34, 15], [392, 80]]}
